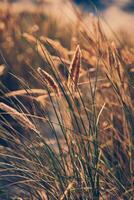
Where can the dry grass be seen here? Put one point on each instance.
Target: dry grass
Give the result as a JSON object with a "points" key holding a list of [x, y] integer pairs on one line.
{"points": [[74, 97]]}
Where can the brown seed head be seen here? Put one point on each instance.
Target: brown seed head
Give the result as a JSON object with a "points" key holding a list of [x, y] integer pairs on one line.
{"points": [[48, 80], [75, 68]]}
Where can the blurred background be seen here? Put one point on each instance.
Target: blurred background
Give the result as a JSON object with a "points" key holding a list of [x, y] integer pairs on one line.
{"points": [[56, 20], [125, 5], [118, 13]]}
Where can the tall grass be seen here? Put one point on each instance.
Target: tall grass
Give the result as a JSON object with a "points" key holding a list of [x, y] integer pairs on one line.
{"points": [[72, 138]]}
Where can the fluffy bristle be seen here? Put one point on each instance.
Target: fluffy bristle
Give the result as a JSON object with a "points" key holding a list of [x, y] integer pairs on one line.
{"points": [[74, 69], [48, 80]]}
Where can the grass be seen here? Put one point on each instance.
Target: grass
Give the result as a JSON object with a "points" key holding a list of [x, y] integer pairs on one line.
{"points": [[68, 128]]}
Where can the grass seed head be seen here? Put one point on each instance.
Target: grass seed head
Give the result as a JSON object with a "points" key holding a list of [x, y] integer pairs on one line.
{"points": [[20, 117], [48, 80], [75, 68]]}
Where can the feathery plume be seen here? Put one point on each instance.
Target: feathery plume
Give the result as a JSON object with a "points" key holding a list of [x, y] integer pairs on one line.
{"points": [[74, 69], [49, 80], [20, 117]]}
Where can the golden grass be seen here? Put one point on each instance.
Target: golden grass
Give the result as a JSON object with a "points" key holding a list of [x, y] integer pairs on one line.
{"points": [[84, 87], [48, 80], [74, 69], [20, 117]]}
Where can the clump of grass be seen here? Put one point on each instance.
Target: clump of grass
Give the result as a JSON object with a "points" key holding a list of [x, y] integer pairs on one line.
{"points": [[81, 144]]}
